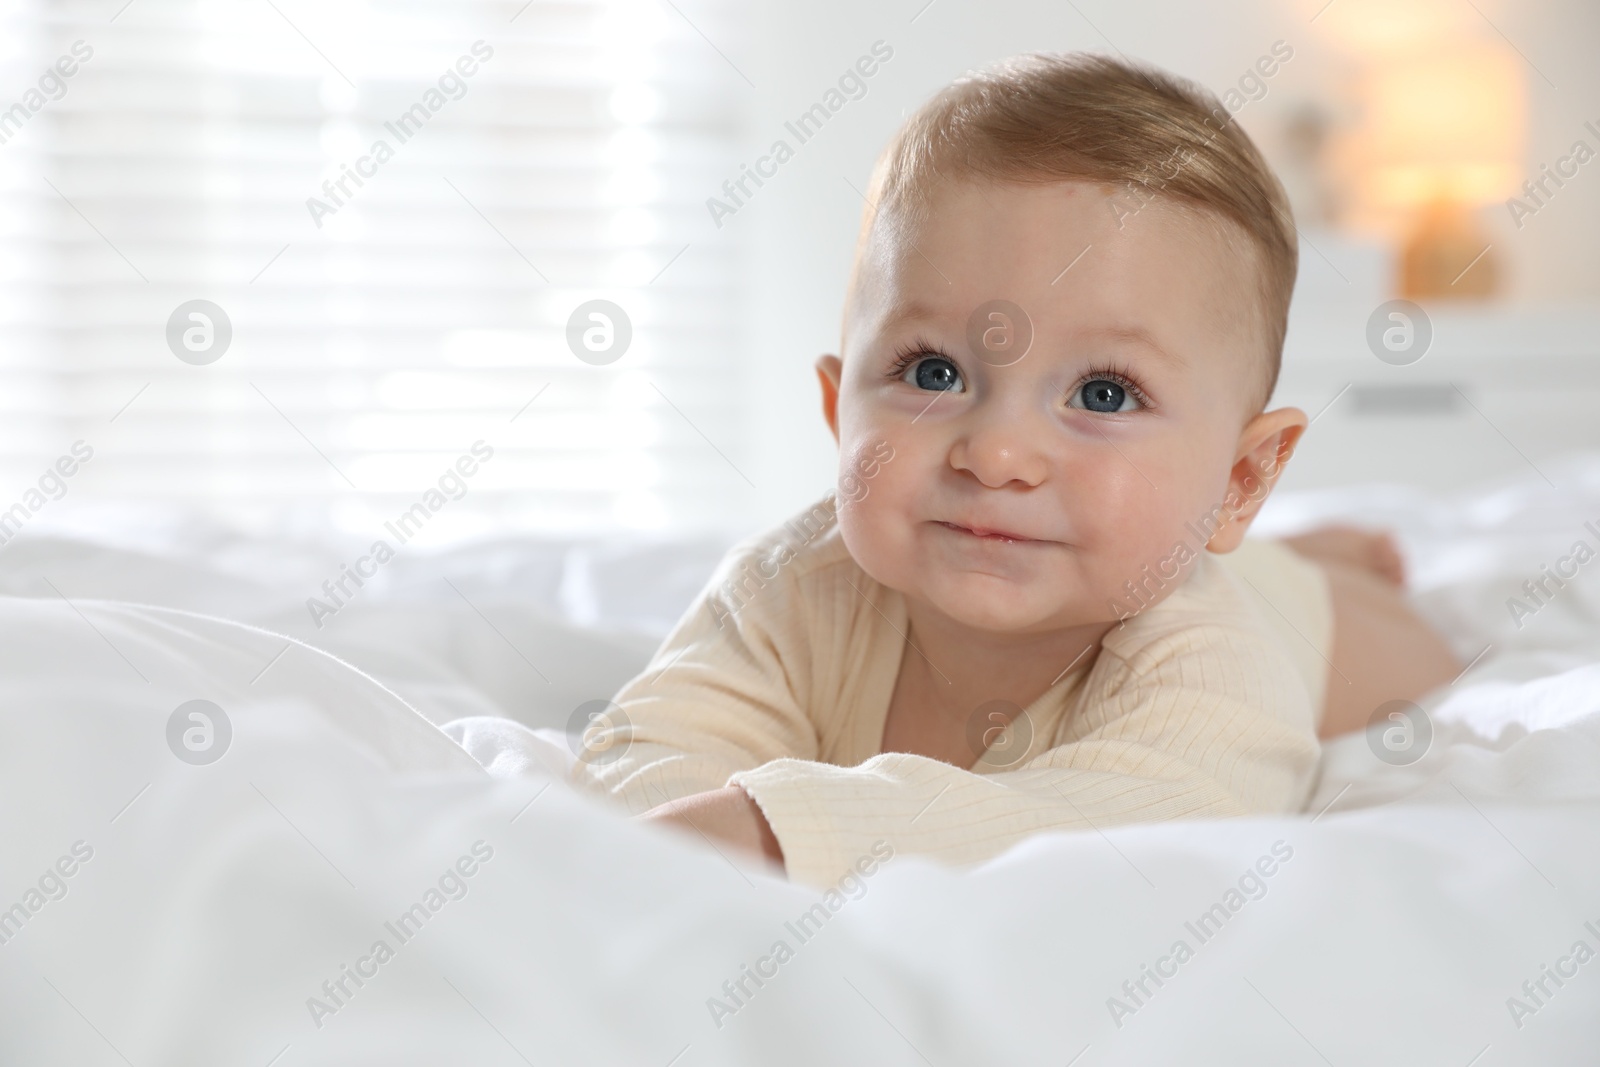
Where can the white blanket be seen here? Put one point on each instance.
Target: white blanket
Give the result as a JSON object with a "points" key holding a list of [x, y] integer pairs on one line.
{"points": [[1431, 914]]}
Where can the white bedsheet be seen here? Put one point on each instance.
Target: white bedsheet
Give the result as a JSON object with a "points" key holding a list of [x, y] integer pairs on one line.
{"points": [[219, 898]]}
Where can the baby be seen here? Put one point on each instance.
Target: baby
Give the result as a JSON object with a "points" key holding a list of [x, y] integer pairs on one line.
{"points": [[1031, 605]]}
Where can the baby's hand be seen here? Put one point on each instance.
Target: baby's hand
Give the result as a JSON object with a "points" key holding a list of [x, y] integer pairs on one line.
{"points": [[727, 815]]}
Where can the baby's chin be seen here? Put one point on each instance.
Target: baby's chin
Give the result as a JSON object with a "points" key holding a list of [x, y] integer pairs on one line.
{"points": [[979, 600], [1000, 588], [997, 605]]}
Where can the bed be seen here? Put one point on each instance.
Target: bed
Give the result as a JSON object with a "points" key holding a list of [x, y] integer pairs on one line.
{"points": [[219, 810]]}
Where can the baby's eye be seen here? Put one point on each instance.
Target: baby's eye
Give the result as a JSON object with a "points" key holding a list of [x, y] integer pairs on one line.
{"points": [[934, 373], [1104, 395]]}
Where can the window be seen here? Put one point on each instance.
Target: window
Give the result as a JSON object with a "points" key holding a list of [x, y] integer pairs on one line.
{"points": [[397, 207]]}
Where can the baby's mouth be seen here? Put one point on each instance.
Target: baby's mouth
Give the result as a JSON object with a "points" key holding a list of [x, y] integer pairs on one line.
{"points": [[1003, 536]]}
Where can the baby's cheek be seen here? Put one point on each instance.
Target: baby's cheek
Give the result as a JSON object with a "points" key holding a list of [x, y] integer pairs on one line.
{"points": [[876, 496], [862, 465], [869, 528], [1137, 527]]}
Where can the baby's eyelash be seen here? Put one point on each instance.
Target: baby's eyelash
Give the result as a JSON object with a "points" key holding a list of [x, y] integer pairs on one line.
{"points": [[911, 352], [1111, 373]]}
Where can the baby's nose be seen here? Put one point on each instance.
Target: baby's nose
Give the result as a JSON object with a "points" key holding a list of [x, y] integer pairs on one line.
{"points": [[999, 453]]}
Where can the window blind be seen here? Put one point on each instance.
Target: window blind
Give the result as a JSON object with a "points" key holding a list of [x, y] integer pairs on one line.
{"points": [[397, 208]]}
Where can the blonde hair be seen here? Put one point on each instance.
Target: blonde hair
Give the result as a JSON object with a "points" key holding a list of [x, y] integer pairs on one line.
{"points": [[1084, 117]]}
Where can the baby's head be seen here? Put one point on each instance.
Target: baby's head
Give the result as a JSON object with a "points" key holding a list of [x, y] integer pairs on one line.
{"points": [[1064, 322]]}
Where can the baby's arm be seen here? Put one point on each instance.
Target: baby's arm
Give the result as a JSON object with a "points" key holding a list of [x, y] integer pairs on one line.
{"points": [[1187, 717], [724, 694], [708, 707], [1203, 722]]}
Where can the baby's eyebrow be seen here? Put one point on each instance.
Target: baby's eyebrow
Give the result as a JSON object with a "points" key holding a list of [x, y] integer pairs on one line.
{"points": [[909, 310], [1140, 336], [912, 309]]}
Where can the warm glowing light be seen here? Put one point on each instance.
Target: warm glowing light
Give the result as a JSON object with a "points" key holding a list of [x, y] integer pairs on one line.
{"points": [[1444, 125]]}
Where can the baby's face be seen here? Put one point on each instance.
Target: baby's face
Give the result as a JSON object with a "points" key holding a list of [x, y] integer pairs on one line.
{"points": [[1020, 496]]}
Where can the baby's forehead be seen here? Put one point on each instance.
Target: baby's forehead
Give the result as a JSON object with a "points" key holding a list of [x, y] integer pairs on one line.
{"points": [[1003, 223], [1066, 247]]}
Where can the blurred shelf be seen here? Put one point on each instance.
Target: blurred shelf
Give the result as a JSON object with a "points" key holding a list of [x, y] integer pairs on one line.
{"points": [[1496, 391]]}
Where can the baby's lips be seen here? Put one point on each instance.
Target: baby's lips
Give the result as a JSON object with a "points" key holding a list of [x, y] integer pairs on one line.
{"points": [[987, 533]]}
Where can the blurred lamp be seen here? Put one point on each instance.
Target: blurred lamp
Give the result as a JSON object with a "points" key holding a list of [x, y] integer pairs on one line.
{"points": [[1442, 138]]}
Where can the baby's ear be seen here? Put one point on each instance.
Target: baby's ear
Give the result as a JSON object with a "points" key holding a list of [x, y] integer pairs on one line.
{"points": [[828, 371], [1265, 446]]}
